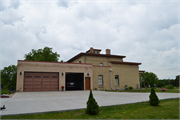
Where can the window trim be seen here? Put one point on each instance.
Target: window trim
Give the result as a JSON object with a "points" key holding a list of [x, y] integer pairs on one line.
{"points": [[115, 80], [100, 64], [102, 81]]}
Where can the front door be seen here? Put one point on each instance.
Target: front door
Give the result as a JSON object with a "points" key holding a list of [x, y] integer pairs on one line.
{"points": [[87, 83]]}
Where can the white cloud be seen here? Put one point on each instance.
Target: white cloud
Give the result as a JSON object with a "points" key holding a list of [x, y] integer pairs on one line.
{"points": [[145, 32]]}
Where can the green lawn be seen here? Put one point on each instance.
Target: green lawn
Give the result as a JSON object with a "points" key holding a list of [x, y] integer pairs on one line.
{"points": [[175, 90], [167, 109]]}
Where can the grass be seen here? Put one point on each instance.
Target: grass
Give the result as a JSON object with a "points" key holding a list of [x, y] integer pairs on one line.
{"points": [[167, 109], [175, 90]]}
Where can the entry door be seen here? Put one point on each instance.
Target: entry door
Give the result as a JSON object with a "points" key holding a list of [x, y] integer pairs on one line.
{"points": [[88, 83]]}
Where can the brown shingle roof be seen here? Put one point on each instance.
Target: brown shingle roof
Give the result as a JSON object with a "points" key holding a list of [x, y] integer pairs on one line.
{"points": [[129, 63]]}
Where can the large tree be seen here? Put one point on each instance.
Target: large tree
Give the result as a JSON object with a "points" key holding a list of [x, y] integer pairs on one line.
{"points": [[150, 79], [45, 54], [8, 77]]}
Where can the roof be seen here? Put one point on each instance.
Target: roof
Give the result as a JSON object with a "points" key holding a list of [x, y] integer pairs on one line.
{"points": [[93, 54], [54, 62], [129, 63], [141, 71], [94, 50]]}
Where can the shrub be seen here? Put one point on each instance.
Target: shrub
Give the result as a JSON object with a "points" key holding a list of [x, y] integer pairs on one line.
{"points": [[130, 88], [106, 90], [92, 106], [163, 89], [126, 89], [4, 91], [154, 100], [169, 86]]}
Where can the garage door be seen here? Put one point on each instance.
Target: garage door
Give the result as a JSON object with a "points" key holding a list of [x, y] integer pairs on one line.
{"points": [[41, 81]]}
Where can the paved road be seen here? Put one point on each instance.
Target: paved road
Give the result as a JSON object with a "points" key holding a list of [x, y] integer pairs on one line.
{"points": [[34, 102]]}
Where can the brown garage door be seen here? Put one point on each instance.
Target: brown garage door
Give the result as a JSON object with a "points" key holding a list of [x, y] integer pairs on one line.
{"points": [[41, 81]]}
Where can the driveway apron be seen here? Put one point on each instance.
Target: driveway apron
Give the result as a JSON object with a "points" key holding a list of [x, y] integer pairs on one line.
{"points": [[40, 102]]}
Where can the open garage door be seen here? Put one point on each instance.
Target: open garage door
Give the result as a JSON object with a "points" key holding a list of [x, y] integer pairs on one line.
{"points": [[41, 81], [74, 81]]}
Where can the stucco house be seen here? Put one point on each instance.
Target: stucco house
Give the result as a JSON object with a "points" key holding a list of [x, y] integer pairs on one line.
{"points": [[85, 71]]}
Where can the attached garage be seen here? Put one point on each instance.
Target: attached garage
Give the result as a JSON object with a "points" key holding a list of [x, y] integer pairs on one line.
{"points": [[41, 81], [74, 81], [35, 76]]}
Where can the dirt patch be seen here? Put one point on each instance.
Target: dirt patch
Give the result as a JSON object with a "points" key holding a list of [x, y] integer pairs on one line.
{"points": [[11, 95]]}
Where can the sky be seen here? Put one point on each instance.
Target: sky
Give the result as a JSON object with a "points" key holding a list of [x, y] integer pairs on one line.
{"points": [[145, 31]]}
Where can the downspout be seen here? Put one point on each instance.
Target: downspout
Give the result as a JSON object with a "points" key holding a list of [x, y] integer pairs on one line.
{"points": [[111, 77]]}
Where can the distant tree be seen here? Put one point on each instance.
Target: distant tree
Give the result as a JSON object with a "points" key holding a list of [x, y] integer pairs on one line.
{"points": [[150, 78], [92, 106], [161, 83], [8, 77], [45, 54], [176, 81], [154, 100]]}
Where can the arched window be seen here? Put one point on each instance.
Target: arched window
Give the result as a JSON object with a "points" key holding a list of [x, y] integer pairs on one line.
{"points": [[100, 79], [116, 80]]}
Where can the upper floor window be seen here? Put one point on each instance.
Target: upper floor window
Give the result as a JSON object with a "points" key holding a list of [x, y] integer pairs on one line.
{"points": [[117, 80], [100, 79], [101, 64]]}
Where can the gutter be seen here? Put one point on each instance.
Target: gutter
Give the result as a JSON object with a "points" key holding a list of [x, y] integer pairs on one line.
{"points": [[111, 77]]}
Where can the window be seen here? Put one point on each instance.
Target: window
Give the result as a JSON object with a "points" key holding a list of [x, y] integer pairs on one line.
{"points": [[116, 80], [101, 64], [79, 61], [100, 78]]}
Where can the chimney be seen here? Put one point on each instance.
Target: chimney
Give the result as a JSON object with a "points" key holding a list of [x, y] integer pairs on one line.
{"points": [[108, 51], [91, 50]]}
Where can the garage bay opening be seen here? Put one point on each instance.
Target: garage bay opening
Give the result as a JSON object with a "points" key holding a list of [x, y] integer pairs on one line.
{"points": [[74, 81]]}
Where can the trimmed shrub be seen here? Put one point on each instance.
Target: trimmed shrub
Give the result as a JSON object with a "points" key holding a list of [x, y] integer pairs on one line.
{"points": [[126, 89], [92, 106], [154, 100], [130, 88], [169, 86]]}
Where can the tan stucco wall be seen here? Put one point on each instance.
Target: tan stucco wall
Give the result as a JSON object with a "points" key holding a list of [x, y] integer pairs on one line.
{"points": [[25, 66], [128, 75], [104, 71], [96, 60], [82, 58]]}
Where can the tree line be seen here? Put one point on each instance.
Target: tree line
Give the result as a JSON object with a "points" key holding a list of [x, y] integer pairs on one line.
{"points": [[150, 79]]}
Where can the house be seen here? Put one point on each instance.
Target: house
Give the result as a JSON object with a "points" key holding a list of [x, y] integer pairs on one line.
{"points": [[85, 71]]}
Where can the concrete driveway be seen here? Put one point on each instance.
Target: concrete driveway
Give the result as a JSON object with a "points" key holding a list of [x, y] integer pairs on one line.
{"points": [[37, 102]]}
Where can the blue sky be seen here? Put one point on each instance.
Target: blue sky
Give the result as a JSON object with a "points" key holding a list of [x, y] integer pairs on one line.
{"points": [[144, 31]]}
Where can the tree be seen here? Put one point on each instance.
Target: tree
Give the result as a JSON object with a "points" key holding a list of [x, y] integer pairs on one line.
{"points": [[92, 106], [8, 77], [154, 100], [150, 78], [176, 81], [45, 54]]}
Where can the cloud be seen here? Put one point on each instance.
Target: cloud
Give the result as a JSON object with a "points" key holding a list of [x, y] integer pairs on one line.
{"points": [[145, 32]]}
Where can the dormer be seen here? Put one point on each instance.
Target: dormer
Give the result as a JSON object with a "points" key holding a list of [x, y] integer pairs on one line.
{"points": [[95, 51]]}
